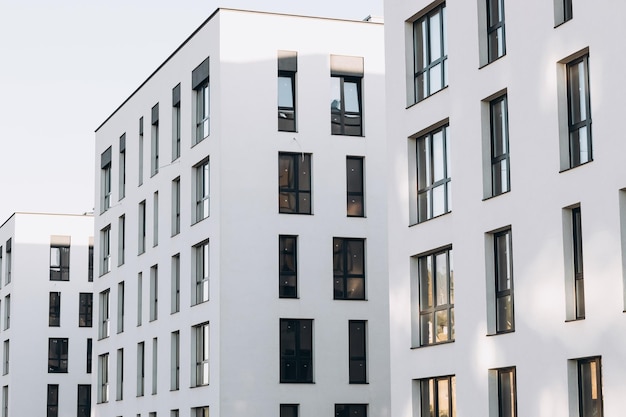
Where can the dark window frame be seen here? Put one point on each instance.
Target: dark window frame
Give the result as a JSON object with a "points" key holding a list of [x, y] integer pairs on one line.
{"points": [[351, 410], [89, 363], [289, 410], [587, 405], [60, 268], [288, 266], [506, 407], [425, 388], [504, 293], [499, 138], [431, 292], [577, 246], [347, 122], [426, 170], [54, 310], [423, 44], [493, 28], [295, 336], [575, 121], [83, 401], [203, 111], [355, 188], [57, 355], [52, 402], [287, 114], [294, 183], [346, 279], [85, 309], [357, 351]]}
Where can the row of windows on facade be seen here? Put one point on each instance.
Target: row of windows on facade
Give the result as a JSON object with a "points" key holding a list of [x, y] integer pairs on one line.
{"points": [[433, 285], [436, 396], [296, 358], [83, 403], [346, 110]]}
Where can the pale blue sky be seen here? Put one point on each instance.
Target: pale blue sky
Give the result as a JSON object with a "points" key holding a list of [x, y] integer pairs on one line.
{"points": [[66, 65]]}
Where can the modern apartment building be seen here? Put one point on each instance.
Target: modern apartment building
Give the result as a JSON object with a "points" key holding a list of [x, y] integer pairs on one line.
{"points": [[507, 208], [46, 315], [241, 226]]}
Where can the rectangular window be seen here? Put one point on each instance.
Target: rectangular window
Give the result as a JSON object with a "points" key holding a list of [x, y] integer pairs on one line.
{"points": [[287, 68], [201, 334], [1, 266], [579, 111], [141, 368], [119, 387], [288, 266], [85, 309], [201, 171], [589, 380], [289, 410], [105, 250], [294, 183], [175, 362], [54, 315], [176, 206], [296, 350], [141, 232], [500, 170], [121, 240], [9, 262], [200, 85], [5, 357], [139, 298], [89, 354], [5, 401], [155, 361], [176, 122], [90, 261], [496, 46], [7, 311], [435, 297], [122, 168], [154, 153], [349, 268], [577, 240], [105, 180], [435, 396], [562, 11], [53, 401], [201, 254], [155, 219], [175, 287], [140, 153], [430, 53], [103, 378], [354, 186], [432, 156], [154, 292], [57, 355], [503, 268], [120, 306], [84, 401], [59, 263], [200, 412], [352, 410], [357, 351], [104, 315], [502, 392]]}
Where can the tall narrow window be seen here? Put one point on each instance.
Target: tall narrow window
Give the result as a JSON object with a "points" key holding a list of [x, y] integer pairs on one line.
{"points": [[59, 262], [120, 306], [84, 401], [154, 142], [430, 53], [296, 350], [590, 387], [288, 266], [5, 401], [351, 410], [105, 180], [7, 311], [175, 287], [202, 190], [140, 153], [53, 401], [139, 298], [176, 206], [201, 333], [201, 254], [141, 368], [175, 362], [9, 262], [579, 286], [348, 268], [579, 111], [85, 309], [121, 240], [562, 11], [57, 355], [289, 410], [105, 250], [294, 183], [90, 261], [200, 85], [142, 228], [354, 187], [495, 29], [6, 357], [122, 167], [357, 351], [433, 177], [287, 68], [119, 387], [502, 392], [155, 361], [1, 266], [104, 315], [54, 316], [103, 378], [89, 355], [500, 171], [176, 122], [437, 396], [346, 102], [154, 292], [155, 219], [436, 297], [503, 258]]}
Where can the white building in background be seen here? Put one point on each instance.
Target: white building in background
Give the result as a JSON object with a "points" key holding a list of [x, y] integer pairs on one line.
{"points": [[241, 226], [493, 161], [46, 315]]}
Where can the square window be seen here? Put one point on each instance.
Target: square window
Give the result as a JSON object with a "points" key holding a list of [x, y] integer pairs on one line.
{"points": [[57, 355], [430, 53], [200, 412], [289, 410], [288, 266], [434, 396], [349, 268], [296, 350], [294, 183], [351, 410]]}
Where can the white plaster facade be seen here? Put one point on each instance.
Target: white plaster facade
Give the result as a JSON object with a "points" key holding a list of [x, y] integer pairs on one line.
{"points": [[547, 340], [243, 228], [25, 320]]}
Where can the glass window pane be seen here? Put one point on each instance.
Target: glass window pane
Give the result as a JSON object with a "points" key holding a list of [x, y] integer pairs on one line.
{"points": [[442, 278], [434, 25], [435, 78], [439, 200], [285, 92], [443, 398], [426, 282], [438, 156], [351, 96]]}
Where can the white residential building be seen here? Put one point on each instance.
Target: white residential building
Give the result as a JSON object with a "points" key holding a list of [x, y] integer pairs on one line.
{"points": [[46, 315], [493, 161], [241, 226]]}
